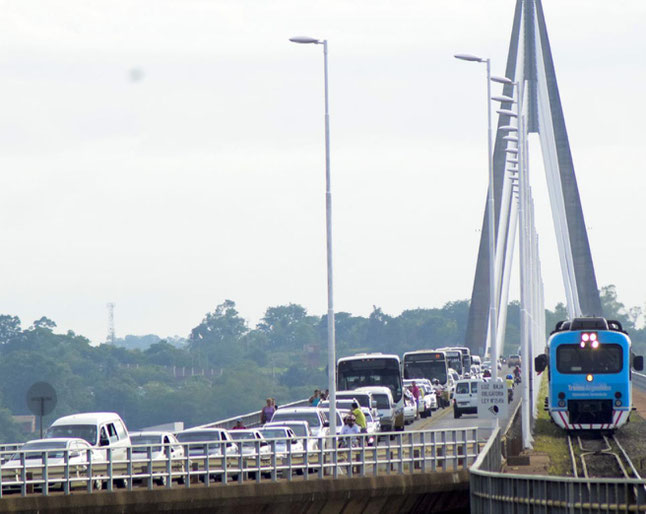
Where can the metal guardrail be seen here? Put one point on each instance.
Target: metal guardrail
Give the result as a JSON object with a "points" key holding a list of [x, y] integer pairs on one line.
{"points": [[639, 380], [270, 460], [493, 491], [252, 419]]}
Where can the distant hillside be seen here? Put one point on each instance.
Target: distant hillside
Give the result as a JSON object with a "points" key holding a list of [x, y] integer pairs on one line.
{"points": [[142, 343]]}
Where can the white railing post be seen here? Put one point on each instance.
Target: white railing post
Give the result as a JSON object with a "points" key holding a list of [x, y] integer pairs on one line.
{"points": [[169, 465], [108, 455], [149, 466], [66, 484], [45, 473]]}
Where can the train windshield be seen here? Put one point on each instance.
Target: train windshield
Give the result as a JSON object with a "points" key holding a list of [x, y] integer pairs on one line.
{"points": [[571, 358]]}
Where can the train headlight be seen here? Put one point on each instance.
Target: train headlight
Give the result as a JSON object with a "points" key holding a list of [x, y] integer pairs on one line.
{"points": [[561, 395], [617, 403], [589, 337], [595, 344], [618, 394], [589, 378], [561, 403]]}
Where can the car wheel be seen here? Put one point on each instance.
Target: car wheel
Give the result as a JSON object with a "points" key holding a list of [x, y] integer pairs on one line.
{"points": [[97, 484], [161, 481], [456, 413]]}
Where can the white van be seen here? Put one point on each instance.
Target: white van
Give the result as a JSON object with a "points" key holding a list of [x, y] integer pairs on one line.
{"points": [[385, 405], [102, 430], [465, 399]]}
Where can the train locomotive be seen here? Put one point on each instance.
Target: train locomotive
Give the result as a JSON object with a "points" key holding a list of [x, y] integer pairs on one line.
{"points": [[589, 364]]}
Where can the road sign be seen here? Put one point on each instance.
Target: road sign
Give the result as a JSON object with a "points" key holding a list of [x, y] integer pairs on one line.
{"points": [[41, 400], [492, 400]]}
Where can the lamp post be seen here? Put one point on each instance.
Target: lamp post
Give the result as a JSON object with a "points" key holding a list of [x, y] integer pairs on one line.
{"points": [[331, 348], [491, 222]]}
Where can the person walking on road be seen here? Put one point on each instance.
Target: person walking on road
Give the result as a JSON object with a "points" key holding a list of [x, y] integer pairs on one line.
{"points": [[267, 412]]}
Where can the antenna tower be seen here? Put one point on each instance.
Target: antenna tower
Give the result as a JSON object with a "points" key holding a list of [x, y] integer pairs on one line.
{"points": [[111, 336]]}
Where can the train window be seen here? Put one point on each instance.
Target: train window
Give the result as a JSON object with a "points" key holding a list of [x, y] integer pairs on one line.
{"points": [[571, 358]]}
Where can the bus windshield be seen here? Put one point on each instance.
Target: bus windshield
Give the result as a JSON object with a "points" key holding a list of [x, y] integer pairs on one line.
{"points": [[454, 360], [424, 366], [572, 359], [371, 371]]}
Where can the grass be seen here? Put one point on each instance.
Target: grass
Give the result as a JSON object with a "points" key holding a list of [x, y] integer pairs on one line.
{"points": [[550, 439]]}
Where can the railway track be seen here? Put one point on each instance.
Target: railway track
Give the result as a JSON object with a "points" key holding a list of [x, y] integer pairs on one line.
{"points": [[600, 456]]}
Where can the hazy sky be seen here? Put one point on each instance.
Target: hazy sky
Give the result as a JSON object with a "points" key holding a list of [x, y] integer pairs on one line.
{"points": [[167, 155]]}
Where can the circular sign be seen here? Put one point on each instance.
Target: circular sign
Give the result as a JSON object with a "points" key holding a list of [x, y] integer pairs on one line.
{"points": [[41, 398]]}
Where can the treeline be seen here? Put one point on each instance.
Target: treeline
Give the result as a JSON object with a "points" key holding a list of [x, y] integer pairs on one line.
{"points": [[284, 357]]}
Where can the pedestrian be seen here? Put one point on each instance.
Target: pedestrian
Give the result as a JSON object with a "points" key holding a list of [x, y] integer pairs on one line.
{"points": [[349, 428], [360, 417], [238, 425], [267, 412], [415, 391], [315, 399], [325, 395]]}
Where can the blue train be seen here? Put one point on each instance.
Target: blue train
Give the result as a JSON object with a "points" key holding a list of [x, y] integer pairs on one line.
{"points": [[589, 363]]}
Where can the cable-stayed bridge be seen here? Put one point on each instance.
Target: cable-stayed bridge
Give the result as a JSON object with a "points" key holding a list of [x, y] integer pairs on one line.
{"points": [[426, 468]]}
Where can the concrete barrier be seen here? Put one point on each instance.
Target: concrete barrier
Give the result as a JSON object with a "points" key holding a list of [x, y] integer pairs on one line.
{"points": [[428, 492]]}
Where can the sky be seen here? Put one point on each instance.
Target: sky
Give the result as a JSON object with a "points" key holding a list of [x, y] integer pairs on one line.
{"points": [[167, 155]]}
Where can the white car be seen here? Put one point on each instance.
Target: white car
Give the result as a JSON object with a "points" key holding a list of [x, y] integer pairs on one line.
{"points": [[410, 407], [250, 442], [157, 446], [427, 400], [32, 452], [200, 442], [103, 430], [385, 405], [373, 427], [302, 430], [314, 416], [280, 437], [364, 399]]}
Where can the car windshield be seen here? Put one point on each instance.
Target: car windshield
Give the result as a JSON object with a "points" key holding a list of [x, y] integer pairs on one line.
{"points": [[340, 404], [299, 430], [140, 443], [382, 400], [274, 433], [197, 437], [242, 436], [311, 417], [363, 399], [87, 432], [57, 450], [462, 388]]}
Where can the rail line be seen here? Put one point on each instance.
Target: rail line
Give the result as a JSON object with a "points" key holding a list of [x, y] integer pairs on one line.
{"points": [[600, 456]]}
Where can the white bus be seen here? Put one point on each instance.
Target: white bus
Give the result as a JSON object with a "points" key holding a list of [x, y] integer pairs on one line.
{"points": [[429, 364], [454, 359], [373, 369]]}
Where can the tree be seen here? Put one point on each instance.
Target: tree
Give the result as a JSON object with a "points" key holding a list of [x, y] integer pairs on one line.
{"points": [[288, 327], [45, 323], [222, 326], [612, 307], [9, 328]]}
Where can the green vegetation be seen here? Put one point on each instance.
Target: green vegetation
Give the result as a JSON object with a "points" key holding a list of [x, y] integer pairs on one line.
{"points": [[550, 439], [150, 381]]}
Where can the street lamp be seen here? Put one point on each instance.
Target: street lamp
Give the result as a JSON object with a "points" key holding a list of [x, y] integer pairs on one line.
{"points": [[331, 348], [491, 221]]}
